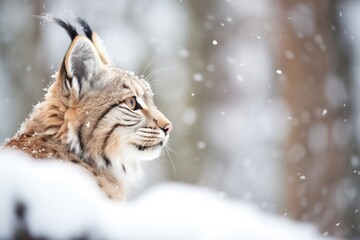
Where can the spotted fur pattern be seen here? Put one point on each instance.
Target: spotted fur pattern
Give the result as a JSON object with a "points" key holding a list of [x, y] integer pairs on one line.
{"points": [[96, 116]]}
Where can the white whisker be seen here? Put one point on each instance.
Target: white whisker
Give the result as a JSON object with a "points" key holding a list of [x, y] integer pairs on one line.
{"points": [[153, 73], [171, 161], [148, 65]]}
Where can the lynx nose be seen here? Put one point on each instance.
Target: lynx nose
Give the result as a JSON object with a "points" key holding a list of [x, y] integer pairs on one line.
{"points": [[167, 128]]}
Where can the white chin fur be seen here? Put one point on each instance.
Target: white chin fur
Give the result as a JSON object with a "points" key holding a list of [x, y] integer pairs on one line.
{"points": [[146, 155]]}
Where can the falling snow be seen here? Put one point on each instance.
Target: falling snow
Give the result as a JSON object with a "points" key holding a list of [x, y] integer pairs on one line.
{"points": [[239, 78], [355, 161], [198, 77], [184, 53], [289, 55], [302, 177], [189, 116], [201, 145], [227, 76]]}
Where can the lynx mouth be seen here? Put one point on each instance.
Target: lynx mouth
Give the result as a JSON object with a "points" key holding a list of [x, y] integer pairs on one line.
{"points": [[145, 147]]}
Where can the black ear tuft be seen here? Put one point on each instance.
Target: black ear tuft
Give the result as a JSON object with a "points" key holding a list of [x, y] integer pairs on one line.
{"points": [[85, 26], [70, 29]]}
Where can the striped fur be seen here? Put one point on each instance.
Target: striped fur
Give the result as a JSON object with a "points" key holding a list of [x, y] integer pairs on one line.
{"points": [[86, 117]]}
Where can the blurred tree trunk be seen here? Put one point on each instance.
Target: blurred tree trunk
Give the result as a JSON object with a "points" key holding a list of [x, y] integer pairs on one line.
{"points": [[199, 40], [318, 142]]}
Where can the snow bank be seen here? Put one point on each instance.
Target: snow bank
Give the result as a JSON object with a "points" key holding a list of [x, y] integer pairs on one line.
{"points": [[55, 200]]}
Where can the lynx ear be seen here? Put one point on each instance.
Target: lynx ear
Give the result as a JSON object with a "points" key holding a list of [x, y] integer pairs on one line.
{"points": [[82, 61], [97, 42], [95, 39], [82, 64]]}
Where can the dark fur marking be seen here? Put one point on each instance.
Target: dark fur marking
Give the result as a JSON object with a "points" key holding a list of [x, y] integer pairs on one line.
{"points": [[103, 114], [142, 147], [94, 173], [65, 86], [130, 125], [75, 161], [100, 185], [66, 78], [70, 82], [129, 120], [153, 133], [123, 167], [149, 138], [107, 161], [70, 29], [80, 73], [79, 70], [85, 26], [80, 138], [132, 114], [108, 136], [129, 115]]}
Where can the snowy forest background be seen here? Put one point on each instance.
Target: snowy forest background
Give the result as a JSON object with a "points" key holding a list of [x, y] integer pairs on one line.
{"points": [[263, 95]]}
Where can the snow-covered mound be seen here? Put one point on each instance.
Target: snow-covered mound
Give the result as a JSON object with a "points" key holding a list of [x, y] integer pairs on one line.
{"points": [[57, 201]]}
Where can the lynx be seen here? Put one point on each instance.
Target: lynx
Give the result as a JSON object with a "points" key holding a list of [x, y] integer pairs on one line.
{"points": [[96, 116]]}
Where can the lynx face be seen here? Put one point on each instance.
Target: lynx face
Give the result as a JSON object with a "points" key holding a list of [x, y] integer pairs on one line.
{"points": [[119, 119], [109, 116]]}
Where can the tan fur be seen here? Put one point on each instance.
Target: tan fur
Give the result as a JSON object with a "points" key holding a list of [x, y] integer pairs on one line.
{"points": [[44, 135], [41, 147], [56, 124], [100, 50]]}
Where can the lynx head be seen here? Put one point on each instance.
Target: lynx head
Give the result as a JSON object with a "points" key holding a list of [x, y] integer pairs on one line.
{"points": [[109, 116]]}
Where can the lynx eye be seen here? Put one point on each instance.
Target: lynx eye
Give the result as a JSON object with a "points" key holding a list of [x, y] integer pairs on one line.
{"points": [[132, 103]]}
